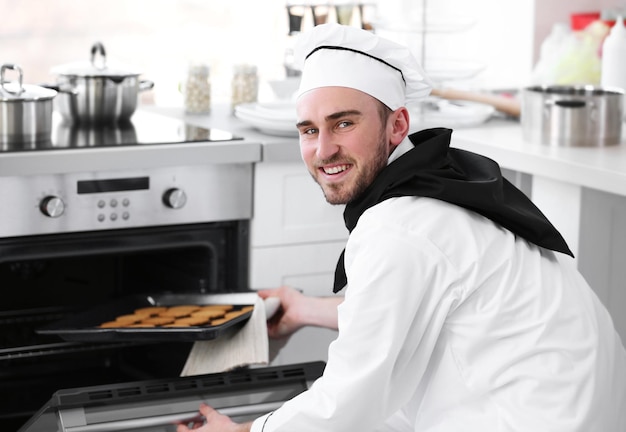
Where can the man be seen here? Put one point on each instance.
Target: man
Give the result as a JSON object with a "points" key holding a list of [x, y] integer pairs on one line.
{"points": [[462, 310]]}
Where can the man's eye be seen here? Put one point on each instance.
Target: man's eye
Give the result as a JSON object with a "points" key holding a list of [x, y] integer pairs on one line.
{"points": [[309, 131], [344, 124]]}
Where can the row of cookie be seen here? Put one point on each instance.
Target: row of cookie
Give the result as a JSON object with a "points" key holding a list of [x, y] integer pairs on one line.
{"points": [[182, 310], [178, 311], [177, 316]]}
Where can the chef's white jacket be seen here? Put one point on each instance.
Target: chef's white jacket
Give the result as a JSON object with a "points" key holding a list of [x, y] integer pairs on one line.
{"points": [[452, 323]]}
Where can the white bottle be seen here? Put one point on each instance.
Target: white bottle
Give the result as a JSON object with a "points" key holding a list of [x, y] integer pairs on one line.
{"points": [[547, 70], [614, 58]]}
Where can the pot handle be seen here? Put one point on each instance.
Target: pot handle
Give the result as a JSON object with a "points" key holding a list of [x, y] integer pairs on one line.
{"points": [[14, 67], [95, 49], [61, 88], [145, 85], [568, 103]]}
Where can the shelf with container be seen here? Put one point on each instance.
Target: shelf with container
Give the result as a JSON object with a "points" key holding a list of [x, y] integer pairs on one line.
{"points": [[303, 16]]}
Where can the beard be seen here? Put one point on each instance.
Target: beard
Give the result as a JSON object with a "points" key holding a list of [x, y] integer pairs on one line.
{"points": [[366, 172]]}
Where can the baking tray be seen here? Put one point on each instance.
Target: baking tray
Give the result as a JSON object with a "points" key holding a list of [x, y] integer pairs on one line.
{"points": [[85, 326]]}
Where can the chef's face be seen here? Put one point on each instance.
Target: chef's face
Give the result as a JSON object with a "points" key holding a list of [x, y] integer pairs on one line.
{"points": [[344, 140]]}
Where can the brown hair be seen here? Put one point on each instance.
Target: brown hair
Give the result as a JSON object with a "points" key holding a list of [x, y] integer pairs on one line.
{"points": [[383, 113]]}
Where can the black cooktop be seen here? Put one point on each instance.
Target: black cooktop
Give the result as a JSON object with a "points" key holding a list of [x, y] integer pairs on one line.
{"points": [[144, 128]]}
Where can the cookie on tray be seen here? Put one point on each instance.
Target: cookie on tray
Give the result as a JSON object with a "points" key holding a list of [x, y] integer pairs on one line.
{"points": [[208, 313], [129, 319], [235, 314], [222, 307], [158, 320], [179, 311], [191, 321]]}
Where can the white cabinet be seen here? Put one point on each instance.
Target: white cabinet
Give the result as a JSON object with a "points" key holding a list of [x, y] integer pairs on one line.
{"points": [[289, 208], [296, 238], [603, 251]]}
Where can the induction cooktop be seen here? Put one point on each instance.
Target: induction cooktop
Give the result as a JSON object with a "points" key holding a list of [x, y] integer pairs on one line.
{"points": [[144, 128]]}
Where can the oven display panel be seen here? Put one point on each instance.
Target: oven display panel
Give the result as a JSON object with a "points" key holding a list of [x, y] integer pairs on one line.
{"points": [[112, 185]]}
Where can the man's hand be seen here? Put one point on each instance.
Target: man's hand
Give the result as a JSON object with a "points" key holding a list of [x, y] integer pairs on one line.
{"points": [[298, 310], [288, 318], [214, 422]]}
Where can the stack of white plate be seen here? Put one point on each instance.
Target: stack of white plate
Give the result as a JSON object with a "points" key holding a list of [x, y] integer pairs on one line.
{"points": [[450, 114], [273, 118]]}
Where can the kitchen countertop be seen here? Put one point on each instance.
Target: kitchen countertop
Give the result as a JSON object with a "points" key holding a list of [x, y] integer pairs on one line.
{"points": [[500, 139], [80, 159], [597, 168]]}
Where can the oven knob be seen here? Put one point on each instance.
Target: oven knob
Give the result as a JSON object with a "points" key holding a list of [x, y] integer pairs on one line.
{"points": [[175, 198], [52, 206]]}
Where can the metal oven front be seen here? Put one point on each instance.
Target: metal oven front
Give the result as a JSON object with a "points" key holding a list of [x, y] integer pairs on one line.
{"points": [[164, 217]]}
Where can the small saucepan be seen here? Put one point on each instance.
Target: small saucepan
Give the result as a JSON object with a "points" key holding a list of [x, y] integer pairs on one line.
{"points": [[572, 116], [96, 92], [25, 110]]}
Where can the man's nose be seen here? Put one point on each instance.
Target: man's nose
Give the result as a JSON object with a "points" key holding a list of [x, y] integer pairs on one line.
{"points": [[326, 145]]}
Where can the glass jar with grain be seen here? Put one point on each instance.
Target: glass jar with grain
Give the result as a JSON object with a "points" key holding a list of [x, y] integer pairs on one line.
{"points": [[197, 89], [245, 85]]}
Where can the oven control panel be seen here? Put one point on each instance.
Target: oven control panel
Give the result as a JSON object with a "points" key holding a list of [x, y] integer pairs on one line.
{"points": [[77, 202]]}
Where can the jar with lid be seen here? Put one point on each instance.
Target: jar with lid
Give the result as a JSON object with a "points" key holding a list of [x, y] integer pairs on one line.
{"points": [[197, 89], [245, 85]]}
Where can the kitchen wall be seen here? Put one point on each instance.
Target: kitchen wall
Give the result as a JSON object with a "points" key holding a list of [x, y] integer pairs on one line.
{"points": [[478, 43], [160, 37]]}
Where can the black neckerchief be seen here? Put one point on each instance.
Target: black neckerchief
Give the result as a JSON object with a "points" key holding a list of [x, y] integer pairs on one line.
{"points": [[433, 169]]}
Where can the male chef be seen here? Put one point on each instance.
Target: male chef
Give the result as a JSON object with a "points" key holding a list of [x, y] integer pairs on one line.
{"points": [[462, 308]]}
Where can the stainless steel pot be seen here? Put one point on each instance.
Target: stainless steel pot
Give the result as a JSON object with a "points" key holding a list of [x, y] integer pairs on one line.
{"points": [[572, 115], [25, 111], [97, 93]]}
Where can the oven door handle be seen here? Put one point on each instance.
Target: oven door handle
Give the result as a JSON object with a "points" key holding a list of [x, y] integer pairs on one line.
{"points": [[183, 417]]}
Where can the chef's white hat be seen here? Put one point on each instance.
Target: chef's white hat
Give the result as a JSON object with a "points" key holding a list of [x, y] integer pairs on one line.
{"points": [[344, 56]]}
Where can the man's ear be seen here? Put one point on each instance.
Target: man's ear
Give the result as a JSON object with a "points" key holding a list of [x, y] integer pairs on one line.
{"points": [[399, 124]]}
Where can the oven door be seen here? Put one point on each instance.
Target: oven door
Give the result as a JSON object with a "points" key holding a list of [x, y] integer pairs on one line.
{"points": [[48, 279], [159, 405]]}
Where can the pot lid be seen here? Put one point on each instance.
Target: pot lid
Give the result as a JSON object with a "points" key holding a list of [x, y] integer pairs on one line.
{"points": [[18, 92], [97, 66]]}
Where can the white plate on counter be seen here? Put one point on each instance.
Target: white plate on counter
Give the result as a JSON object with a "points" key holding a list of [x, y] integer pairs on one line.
{"points": [[451, 114], [277, 118]]}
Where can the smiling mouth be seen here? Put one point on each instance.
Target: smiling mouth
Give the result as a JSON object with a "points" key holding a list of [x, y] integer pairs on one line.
{"points": [[335, 169]]}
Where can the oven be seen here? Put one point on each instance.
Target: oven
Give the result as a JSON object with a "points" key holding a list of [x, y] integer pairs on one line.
{"points": [[98, 214]]}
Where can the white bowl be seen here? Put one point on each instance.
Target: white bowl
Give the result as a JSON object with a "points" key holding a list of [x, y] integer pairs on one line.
{"points": [[286, 88]]}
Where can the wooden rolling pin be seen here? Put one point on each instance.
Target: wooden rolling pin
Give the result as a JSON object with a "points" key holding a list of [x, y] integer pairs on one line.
{"points": [[503, 104]]}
